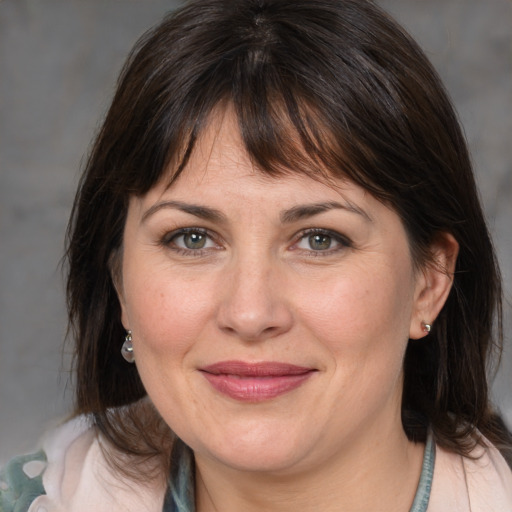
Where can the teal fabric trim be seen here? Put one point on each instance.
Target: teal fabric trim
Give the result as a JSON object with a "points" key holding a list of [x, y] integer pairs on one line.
{"points": [[17, 489], [180, 496], [422, 497], [180, 493]]}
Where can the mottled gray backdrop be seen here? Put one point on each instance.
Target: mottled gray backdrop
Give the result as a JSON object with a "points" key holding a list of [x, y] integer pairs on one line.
{"points": [[58, 64]]}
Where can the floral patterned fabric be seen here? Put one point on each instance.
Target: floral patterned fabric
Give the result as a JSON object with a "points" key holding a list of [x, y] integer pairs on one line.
{"points": [[21, 482]]}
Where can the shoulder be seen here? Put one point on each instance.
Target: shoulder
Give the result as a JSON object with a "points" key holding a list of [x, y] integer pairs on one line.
{"points": [[75, 477], [480, 483]]}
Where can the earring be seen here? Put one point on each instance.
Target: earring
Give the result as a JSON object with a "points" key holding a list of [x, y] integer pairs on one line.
{"points": [[426, 327], [127, 348]]}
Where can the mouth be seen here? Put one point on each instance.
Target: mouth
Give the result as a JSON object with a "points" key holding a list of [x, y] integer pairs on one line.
{"points": [[255, 382]]}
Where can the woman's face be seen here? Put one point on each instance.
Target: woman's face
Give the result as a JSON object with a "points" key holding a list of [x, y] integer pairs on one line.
{"points": [[269, 315]]}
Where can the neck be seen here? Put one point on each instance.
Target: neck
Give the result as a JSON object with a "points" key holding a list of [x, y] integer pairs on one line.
{"points": [[379, 469]]}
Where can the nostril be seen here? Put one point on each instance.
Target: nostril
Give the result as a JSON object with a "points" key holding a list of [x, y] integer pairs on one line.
{"points": [[252, 305], [255, 328]]}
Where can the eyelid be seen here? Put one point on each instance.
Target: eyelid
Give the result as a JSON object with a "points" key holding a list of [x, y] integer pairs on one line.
{"points": [[342, 240], [167, 239], [170, 235]]}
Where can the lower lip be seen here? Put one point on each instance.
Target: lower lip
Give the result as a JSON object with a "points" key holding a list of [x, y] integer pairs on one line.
{"points": [[255, 389]]}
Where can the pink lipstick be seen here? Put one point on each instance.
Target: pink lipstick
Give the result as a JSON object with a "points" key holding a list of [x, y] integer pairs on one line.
{"points": [[255, 382]]}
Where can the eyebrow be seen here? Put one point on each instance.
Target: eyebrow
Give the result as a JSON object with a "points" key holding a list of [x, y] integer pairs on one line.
{"points": [[309, 210], [287, 216], [203, 212]]}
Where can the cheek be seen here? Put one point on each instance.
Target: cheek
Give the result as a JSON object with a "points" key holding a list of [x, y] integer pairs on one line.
{"points": [[362, 321], [362, 317], [358, 302], [166, 312]]}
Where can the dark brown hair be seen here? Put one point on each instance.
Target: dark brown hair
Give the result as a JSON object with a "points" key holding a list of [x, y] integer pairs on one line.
{"points": [[323, 87]]}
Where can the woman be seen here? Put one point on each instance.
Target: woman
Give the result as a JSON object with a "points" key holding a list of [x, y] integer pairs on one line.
{"points": [[279, 231]]}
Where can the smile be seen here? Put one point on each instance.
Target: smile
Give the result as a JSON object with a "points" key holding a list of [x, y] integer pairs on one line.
{"points": [[255, 382]]}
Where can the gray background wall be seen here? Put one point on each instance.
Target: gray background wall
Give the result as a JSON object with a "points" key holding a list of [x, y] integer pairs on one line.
{"points": [[58, 63]]}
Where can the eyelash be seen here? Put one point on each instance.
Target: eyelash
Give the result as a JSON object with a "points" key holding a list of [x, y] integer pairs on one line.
{"points": [[168, 240], [342, 241]]}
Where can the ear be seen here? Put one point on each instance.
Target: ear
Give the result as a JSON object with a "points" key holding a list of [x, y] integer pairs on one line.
{"points": [[434, 282], [115, 265]]}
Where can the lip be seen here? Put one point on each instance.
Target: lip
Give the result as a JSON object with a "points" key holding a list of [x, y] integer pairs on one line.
{"points": [[255, 382]]}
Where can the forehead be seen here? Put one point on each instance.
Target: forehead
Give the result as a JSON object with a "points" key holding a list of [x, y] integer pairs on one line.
{"points": [[221, 149], [221, 177], [220, 161], [219, 146]]}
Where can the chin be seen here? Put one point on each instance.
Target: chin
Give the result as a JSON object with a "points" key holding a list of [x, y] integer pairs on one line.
{"points": [[259, 450], [259, 460]]}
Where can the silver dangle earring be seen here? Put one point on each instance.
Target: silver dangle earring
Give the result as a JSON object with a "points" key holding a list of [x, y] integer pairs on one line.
{"points": [[426, 327], [127, 348]]}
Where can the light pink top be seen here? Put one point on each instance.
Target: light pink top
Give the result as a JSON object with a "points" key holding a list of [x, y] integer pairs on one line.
{"points": [[460, 484], [78, 479]]}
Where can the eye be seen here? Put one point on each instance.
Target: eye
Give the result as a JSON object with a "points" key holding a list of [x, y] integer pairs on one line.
{"points": [[190, 240], [320, 240], [193, 240]]}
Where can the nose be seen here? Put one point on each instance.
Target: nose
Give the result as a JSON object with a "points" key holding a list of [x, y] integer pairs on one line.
{"points": [[254, 303]]}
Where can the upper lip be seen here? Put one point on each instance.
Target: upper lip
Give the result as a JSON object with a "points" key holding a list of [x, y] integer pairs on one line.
{"points": [[260, 369]]}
